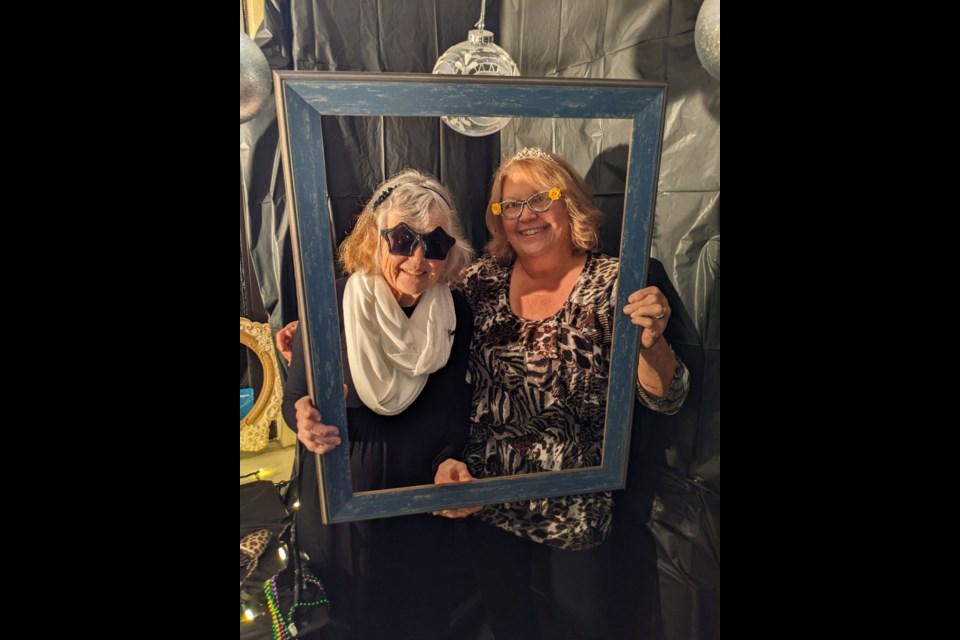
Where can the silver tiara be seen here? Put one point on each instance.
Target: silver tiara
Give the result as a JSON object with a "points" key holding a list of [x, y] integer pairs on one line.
{"points": [[532, 152]]}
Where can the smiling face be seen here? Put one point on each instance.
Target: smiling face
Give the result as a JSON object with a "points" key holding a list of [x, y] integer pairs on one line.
{"points": [[409, 277], [535, 235]]}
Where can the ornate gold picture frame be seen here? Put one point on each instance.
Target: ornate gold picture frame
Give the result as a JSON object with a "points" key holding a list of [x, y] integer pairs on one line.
{"points": [[255, 426]]}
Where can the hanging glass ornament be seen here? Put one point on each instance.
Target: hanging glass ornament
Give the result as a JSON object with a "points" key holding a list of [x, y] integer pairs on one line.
{"points": [[706, 37], [255, 81], [478, 56]]}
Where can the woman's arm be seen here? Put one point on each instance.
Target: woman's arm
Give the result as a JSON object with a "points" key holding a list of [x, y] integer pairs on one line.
{"points": [[298, 411], [662, 379], [296, 384], [460, 392]]}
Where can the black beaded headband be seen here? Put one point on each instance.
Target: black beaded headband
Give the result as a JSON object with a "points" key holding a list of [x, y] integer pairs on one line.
{"points": [[386, 193], [382, 197]]}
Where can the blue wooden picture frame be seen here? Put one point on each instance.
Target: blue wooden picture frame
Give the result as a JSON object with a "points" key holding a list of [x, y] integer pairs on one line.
{"points": [[302, 98]]}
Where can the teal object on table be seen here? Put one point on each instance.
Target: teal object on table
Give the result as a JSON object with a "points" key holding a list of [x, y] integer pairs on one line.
{"points": [[246, 401]]}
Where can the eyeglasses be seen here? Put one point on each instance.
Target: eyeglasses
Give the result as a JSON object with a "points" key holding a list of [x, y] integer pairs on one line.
{"points": [[402, 241], [538, 202]]}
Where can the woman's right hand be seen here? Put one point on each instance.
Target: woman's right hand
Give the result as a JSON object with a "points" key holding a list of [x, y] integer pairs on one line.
{"points": [[315, 436], [285, 341]]}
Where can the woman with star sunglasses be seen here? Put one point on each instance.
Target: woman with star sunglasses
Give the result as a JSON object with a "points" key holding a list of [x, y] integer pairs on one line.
{"points": [[405, 340], [544, 298]]}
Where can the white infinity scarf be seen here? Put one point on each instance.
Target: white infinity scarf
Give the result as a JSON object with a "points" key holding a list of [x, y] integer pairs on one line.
{"points": [[391, 355]]}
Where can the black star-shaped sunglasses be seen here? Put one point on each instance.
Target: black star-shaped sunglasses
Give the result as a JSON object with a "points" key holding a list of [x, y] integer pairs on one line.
{"points": [[402, 241]]}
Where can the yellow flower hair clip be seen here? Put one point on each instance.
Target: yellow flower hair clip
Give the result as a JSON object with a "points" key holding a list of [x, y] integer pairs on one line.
{"points": [[554, 194], [495, 208]]}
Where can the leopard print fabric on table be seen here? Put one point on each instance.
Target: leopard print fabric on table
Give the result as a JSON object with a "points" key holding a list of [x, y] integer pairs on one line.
{"points": [[539, 399], [252, 547]]}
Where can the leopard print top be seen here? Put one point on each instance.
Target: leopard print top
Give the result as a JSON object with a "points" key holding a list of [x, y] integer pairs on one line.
{"points": [[539, 398]]}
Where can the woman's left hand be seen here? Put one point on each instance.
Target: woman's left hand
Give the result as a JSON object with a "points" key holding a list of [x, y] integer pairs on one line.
{"points": [[453, 471], [648, 308]]}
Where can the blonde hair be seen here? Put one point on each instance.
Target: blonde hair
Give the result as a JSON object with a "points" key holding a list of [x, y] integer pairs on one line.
{"points": [[548, 170], [415, 198]]}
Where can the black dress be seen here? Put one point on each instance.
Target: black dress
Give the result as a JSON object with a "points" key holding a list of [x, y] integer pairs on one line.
{"points": [[388, 578]]}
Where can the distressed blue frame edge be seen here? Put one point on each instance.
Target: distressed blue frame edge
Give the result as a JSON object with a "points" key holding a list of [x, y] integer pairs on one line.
{"points": [[302, 98]]}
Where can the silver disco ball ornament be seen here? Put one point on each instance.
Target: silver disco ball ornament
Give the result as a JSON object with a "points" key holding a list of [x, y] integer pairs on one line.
{"points": [[254, 78], [707, 37], [478, 56]]}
